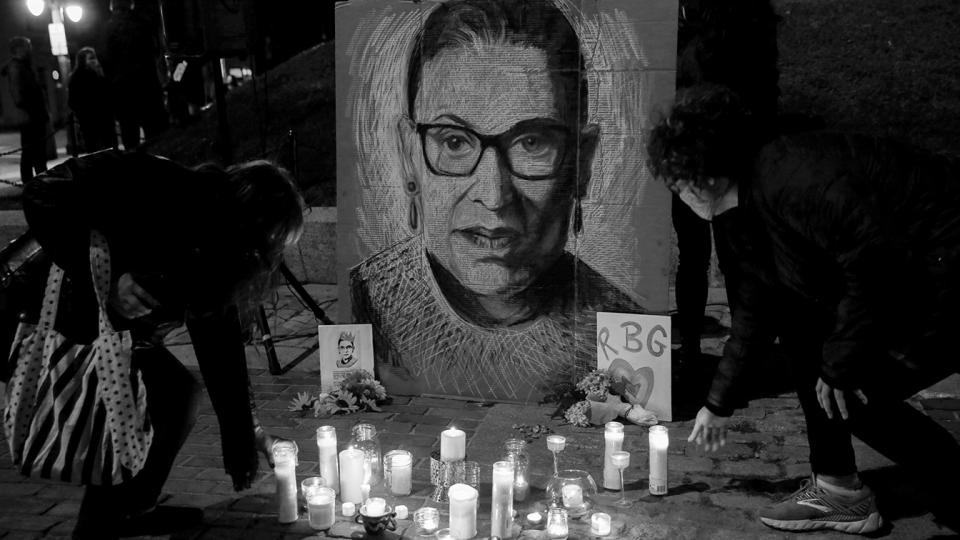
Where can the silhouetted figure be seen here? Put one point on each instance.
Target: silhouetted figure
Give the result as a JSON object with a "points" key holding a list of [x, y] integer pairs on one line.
{"points": [[90, 102], [130, 61], [30, 101], [733, 43]]}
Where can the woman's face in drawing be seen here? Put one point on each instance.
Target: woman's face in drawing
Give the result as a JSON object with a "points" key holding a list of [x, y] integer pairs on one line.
{"points": [[493, 151], [345, 349]]}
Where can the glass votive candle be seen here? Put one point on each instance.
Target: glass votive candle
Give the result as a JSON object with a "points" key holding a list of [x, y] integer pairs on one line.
{"points": [[600, 524], [402, 511], [556, 443], [398, 471], [348, 509], [427, 518], [534, 518], [321, 504], [557, 524]]}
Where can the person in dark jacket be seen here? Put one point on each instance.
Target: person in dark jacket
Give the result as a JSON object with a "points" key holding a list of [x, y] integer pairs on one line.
{"points": [[848, 250], [28, 97], [89, 99], [192, 246]]}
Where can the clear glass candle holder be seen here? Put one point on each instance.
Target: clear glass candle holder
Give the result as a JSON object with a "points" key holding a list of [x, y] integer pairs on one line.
{"points": [[574, 490], [427, 519]]}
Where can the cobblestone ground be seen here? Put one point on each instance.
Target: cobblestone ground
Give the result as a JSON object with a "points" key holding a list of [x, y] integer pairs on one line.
{"points": [[712, 495]]}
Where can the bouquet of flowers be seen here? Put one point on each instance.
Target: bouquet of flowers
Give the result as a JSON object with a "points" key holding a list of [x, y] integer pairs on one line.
{"points": [[359, 391], [603, 403]]}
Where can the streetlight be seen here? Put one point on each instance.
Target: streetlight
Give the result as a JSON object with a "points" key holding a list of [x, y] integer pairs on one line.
{"points": [[75, 12], [35, 7]]}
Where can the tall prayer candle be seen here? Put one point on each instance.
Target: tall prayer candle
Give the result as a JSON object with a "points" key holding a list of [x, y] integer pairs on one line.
{"points": [[285, 470], [613, 442], [659, 442], [400, 465], [453, 445], [351, 475], [463, 511], [327, 445], [501, 509]]}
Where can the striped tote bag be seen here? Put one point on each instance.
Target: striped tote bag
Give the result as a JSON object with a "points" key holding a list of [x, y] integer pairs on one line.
{"points": [[76, 412]]}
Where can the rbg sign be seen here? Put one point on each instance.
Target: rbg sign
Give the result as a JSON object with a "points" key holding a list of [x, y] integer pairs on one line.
{"points": [[635, 350]]}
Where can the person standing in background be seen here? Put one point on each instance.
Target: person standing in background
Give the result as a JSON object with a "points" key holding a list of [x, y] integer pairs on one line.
{"points": [[131, 62], [28, 97], [89, 99]]}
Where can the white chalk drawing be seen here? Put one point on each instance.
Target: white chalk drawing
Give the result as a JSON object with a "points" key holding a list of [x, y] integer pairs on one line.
{"points": [[492, 189]]}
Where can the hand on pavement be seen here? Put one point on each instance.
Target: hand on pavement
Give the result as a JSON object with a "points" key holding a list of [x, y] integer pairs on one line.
{"points": [[828, 395], [129, 300], [709, 430]]}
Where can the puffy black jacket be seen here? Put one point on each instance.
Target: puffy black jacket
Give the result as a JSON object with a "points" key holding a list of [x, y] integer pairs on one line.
{"points": [[168, 226], [864, 233]]}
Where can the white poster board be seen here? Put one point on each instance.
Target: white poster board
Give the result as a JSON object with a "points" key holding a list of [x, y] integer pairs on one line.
{"points": [[635, 349], [343, 348]]}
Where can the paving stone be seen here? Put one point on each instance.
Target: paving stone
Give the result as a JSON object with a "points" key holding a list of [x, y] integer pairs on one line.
{"points": [[27, 522], [740, 500], [750, 467], [59, 491], [684, 464]]}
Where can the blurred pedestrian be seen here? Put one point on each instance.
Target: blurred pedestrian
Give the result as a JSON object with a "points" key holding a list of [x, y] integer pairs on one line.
{"points": [[29, 99], [848, 250], [89, 99], [733, 43], [187, 246], [132, 61]]}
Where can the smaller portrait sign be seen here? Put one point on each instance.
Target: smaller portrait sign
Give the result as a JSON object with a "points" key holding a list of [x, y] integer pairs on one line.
{"points": [[343, 348], [635, 350]]}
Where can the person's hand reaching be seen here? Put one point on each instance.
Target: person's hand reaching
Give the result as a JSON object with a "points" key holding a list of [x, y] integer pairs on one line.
{"points": [[129, 300], [709, 430]]}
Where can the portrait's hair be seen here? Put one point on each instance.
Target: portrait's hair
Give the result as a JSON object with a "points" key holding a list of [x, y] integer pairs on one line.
{"points": [[346, 336], [531, 23], [708, 133]]}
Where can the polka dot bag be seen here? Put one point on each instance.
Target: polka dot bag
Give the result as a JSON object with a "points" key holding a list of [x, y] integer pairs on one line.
{"points": [[76, 412]]}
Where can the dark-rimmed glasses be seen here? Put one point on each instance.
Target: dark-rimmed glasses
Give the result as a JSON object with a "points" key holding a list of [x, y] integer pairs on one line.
{"points": [[531, 150]]}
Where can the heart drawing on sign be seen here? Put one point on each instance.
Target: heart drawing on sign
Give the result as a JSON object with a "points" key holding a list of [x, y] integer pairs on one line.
{"points": [[634, 384]]}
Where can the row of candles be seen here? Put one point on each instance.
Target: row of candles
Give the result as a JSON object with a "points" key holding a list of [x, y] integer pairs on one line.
{"points": [[351, 471]]}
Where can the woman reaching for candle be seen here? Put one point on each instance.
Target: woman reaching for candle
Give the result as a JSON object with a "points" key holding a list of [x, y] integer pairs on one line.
{"points": [[836, 237], [193, 246]]}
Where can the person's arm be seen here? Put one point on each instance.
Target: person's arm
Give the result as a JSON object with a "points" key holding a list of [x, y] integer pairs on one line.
{"points": [[218, 342]]}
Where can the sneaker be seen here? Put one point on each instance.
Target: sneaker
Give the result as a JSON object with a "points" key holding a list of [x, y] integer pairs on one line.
{"points": [[812, 507]]}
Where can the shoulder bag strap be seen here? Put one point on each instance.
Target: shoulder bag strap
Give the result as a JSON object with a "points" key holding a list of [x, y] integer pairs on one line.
{"points": [[51, 299], [100, 274]]}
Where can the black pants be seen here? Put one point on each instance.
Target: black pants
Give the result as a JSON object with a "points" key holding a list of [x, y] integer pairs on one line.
{"points": [[693, 245], [886, 423], [33, 153], [172, 395]]}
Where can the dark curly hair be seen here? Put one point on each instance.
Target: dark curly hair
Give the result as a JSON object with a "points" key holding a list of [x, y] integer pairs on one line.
{"points": [[708, 133]]}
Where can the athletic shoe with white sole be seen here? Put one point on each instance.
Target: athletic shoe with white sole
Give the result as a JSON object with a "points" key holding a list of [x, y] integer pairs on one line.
{"points": [[812, 508]]}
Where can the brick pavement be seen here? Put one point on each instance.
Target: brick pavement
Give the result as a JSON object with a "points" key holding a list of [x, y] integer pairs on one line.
{"points": [[712, 495]]}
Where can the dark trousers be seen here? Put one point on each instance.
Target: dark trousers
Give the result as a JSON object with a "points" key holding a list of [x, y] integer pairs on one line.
{"points": [[886, 423], [140, 107], [33, 153], [693, 246], [172, 394]]}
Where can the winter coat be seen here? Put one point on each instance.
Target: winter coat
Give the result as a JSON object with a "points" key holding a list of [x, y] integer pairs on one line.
{"points": [[165, 225], [26, 91], [864, 233]]}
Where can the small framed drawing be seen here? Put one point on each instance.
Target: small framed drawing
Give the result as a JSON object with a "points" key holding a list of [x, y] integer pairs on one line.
{"points": [[343, 348], [635, 350]]}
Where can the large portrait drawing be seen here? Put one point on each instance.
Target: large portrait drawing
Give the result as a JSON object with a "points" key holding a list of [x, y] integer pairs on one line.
{"points": [[492, 191]]}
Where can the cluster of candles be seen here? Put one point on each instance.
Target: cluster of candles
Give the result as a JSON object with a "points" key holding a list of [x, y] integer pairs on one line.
{"points": [[349, 473]]}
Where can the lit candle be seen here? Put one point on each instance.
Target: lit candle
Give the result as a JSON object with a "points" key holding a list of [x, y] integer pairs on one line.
{"points": [[285, 470], [520, 488], [453, 445], [534, 518], [556, 443], [401, 472], [327, 445], [613, 442], [600, 524], [501, 509], [427, 518], [572, 496], [557, 524], [351, 475], [463, 511], [320, 505], [375, 507], [659, 442], [348, 509], [364, 491], [402, 511]]}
